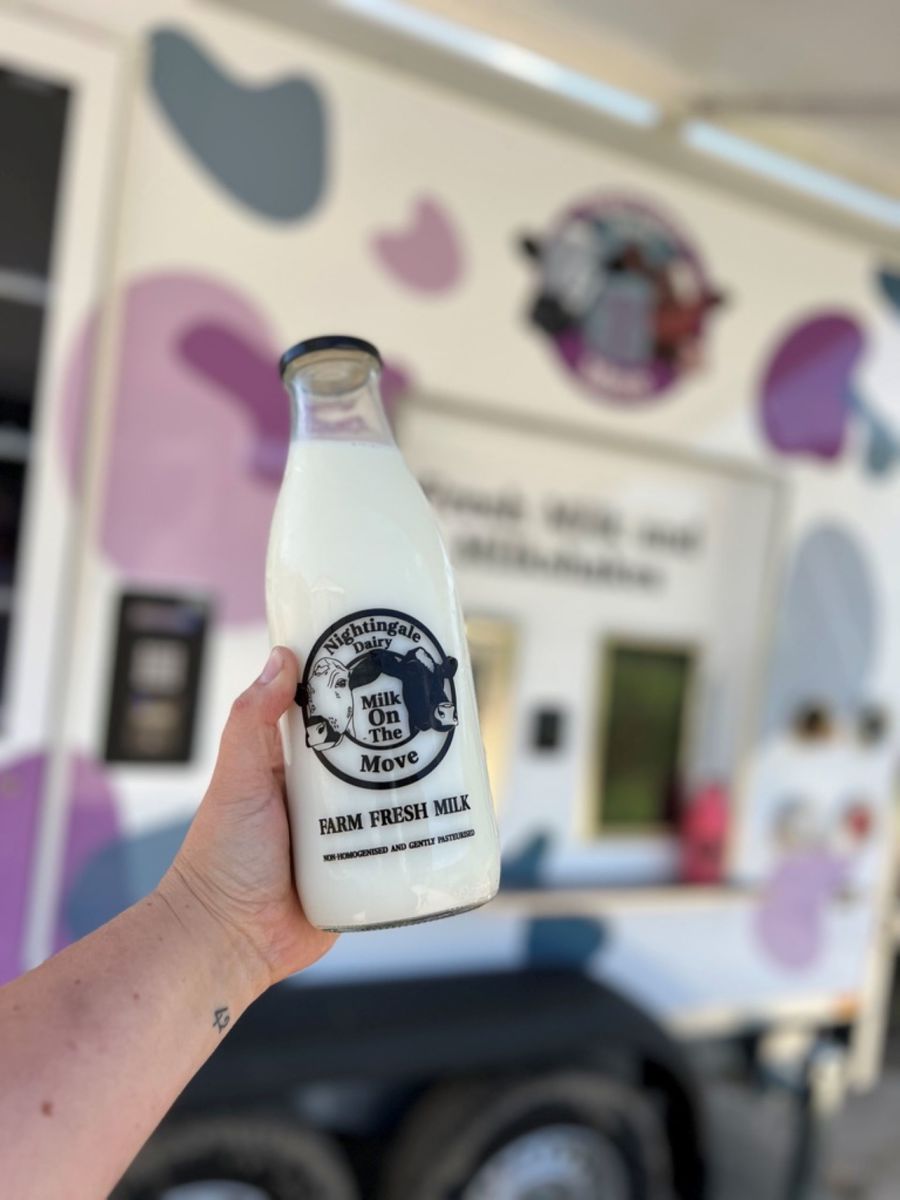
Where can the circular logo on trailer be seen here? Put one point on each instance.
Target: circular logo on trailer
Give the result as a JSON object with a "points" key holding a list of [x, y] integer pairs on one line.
{"points": [[378, 699], [623, 297]]}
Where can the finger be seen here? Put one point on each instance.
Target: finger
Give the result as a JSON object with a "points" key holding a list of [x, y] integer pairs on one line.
{"points": [[251, 730], [271, 694]]}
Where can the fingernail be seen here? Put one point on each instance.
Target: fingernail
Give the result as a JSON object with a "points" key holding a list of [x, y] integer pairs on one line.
{"points": [[272, 668]]}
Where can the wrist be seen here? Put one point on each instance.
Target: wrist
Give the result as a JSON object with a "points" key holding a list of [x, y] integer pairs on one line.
{"points": [[237, 973]]}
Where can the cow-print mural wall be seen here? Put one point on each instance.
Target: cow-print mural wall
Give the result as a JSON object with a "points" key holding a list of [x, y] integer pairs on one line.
{"points": [[266, 147], [175, 419], [92, 824], [198, 402], [623, 297]]}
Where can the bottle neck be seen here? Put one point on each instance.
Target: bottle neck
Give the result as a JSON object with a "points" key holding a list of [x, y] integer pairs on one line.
{"points": [[336, 396]]}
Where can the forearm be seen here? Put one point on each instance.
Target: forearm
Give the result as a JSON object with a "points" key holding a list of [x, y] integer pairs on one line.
{"points": [[97, 1043]]}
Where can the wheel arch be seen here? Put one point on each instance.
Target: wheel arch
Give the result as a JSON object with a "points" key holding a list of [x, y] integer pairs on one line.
{"points": [[405, 1034]]}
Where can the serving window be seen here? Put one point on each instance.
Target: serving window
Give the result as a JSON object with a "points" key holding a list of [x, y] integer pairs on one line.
{"points": [[642, 735]]}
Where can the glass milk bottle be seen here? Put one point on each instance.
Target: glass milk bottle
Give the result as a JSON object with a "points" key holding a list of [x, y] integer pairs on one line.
{"points": [[390, 807]]}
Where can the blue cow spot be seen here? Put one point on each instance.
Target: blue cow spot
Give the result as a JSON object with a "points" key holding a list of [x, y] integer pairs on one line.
{"points": [[882, 443], [563, 941], [266, 146], [883, 449], [523, 870]]}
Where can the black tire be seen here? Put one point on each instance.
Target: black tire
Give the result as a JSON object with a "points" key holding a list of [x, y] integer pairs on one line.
{"points": [[284, 1161], [457, 1133]]}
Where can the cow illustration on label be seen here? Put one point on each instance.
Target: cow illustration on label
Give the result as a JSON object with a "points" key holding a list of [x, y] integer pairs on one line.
{"points": [[378, 700], [329, 705]]}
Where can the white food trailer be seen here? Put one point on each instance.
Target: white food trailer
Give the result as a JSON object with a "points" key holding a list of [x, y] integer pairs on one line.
{"points": [[656, 420]]}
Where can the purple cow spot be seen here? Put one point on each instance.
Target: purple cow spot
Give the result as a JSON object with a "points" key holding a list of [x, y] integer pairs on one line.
{"points": [[427, 255], [225, 356], [246, 375], [396, 383], [790, 923], [91, 824], [20, 791], [807, 389], [192, 474]]}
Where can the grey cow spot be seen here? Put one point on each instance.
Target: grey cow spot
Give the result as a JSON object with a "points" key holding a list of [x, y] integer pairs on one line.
{"points": [[827, 632], [266, 146], [563, 942]]}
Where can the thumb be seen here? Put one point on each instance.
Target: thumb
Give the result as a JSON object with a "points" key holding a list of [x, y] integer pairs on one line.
{"points": [[250, 741]]}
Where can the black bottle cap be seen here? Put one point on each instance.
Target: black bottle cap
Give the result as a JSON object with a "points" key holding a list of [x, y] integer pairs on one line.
{"points": [[333, 341]]}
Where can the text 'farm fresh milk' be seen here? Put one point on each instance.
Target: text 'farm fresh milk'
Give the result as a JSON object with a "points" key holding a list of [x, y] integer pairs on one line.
{"points": [[391, 813]]}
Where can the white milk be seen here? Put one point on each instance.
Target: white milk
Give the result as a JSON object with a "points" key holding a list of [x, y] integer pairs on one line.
{"points": [[390, 807]]}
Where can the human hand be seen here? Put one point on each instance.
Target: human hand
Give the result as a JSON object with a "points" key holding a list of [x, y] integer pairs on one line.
{"points": [[235, 860]]}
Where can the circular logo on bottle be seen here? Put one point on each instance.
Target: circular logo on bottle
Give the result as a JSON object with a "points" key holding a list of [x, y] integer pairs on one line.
{"points": [[378, 699]]}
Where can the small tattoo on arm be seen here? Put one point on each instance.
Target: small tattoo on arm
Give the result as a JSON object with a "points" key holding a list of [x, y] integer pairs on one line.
{"points": [[221, 1019]]}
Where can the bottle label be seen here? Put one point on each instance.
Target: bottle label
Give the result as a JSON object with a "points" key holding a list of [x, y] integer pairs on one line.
{"points": [[378, 699]]}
